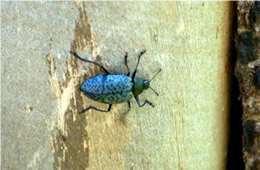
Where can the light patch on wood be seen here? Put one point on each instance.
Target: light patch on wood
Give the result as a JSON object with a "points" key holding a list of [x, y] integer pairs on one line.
{"points": [[76, 138]]}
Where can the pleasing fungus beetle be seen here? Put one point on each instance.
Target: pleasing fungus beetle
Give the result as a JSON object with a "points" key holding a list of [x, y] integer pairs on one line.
{"points": [[115, 88]]}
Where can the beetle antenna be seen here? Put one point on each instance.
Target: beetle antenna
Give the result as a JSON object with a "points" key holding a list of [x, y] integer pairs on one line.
{"points": [[155, 74], [154, 91]]}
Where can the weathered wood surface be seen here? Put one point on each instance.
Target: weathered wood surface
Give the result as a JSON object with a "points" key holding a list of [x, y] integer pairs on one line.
{"points": [[187, 129]]}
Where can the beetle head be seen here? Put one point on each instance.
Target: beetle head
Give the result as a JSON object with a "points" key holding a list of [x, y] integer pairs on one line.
{"points": [[146, 84]]}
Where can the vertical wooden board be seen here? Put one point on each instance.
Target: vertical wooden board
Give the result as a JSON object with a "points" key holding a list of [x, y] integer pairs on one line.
{"points": [[188, 127]]}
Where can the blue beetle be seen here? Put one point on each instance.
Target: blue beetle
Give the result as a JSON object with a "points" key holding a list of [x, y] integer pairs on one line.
{"points": [[115, 88]]}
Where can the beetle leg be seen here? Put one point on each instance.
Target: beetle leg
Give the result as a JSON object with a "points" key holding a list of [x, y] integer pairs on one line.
{"points": [[128, 73], [83, 59], [146, 101], [139, 57], [94, 108]]}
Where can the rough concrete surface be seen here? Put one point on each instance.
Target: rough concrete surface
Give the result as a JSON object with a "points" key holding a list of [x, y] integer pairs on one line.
{"points": [[41, 127]]}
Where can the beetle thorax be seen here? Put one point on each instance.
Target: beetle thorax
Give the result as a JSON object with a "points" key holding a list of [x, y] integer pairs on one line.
{"points": [[140, 85]]}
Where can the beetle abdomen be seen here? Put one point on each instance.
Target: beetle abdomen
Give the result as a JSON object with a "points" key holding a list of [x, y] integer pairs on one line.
{"points": [[110, 89]]}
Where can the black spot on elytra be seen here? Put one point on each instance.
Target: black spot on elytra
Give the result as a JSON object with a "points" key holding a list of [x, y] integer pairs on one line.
{"points": [[124, 95], [104, 78], [94, 80], [111, 98]]}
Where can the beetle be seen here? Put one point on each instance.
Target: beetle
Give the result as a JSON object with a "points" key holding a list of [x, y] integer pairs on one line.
{"points": [[115, 88]]}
